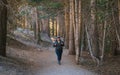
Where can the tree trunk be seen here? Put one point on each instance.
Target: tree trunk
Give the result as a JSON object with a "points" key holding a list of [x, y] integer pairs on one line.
{"points": [[92, 34], [119, 9], [60, 25], [93, 30], [23, 20], [66, 24], [116, 26], [56, 27], [53, 27], [37, 27], [77, 29], [45, 26], [3, 28], [34, 29], [48, 29], [26, 22], [71, 33]]}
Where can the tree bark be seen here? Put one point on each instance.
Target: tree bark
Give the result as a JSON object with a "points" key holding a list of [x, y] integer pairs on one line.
{"points": [[116, 26], [53, 27], [35, 33], [93, 30], [71, 33], [119, 9], [3, 28], [56, 27], [77, 28], [37, 27], [45, 27], [66, 23]]}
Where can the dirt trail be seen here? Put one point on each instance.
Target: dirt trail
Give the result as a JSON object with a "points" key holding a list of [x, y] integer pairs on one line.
{"points": [[44, 63]]}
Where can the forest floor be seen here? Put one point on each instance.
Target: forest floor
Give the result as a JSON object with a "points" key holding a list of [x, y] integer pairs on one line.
{"points": [[45, 63], [27, 60], [110, 65]]}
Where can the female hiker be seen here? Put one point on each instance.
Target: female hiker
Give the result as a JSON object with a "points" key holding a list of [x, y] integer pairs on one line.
{"points": [[58, 44]]}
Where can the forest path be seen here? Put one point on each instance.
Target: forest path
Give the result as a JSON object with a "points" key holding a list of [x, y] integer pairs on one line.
{"points": [[45, 63]]}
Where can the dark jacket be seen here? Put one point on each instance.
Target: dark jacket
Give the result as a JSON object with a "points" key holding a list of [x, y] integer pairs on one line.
{"points": [[59, 46]]}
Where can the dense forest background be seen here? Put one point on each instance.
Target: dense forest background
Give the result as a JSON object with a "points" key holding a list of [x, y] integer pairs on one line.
{"points": [[88, 27]]}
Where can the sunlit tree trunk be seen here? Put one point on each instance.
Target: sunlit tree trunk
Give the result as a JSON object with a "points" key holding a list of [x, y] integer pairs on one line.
{"points": [[26, 22], [23, 20], [56, 27], [3, 28], [60, 25], [77, 28]]}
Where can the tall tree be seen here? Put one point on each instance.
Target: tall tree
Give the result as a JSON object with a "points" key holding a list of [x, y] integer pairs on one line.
{"points": [[77, 28], [53, 26], [56, 27], [92, 34], [116, 24], [37, 26], [66, 6], [60, 24], [71, 33], [3, 27], [93, 29], [45, 26]]}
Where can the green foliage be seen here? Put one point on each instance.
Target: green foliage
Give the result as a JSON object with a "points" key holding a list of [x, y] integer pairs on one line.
{"points": [[103, 14], [47, 16], [40, 7], [56, 5], [49, 7], [23, 13], [101, 4], [34, 2], [101, 10], [101, 17], [46, 3]]}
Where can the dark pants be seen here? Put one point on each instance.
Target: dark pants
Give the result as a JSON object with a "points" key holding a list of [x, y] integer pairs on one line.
{"points": [[59, 54]]}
